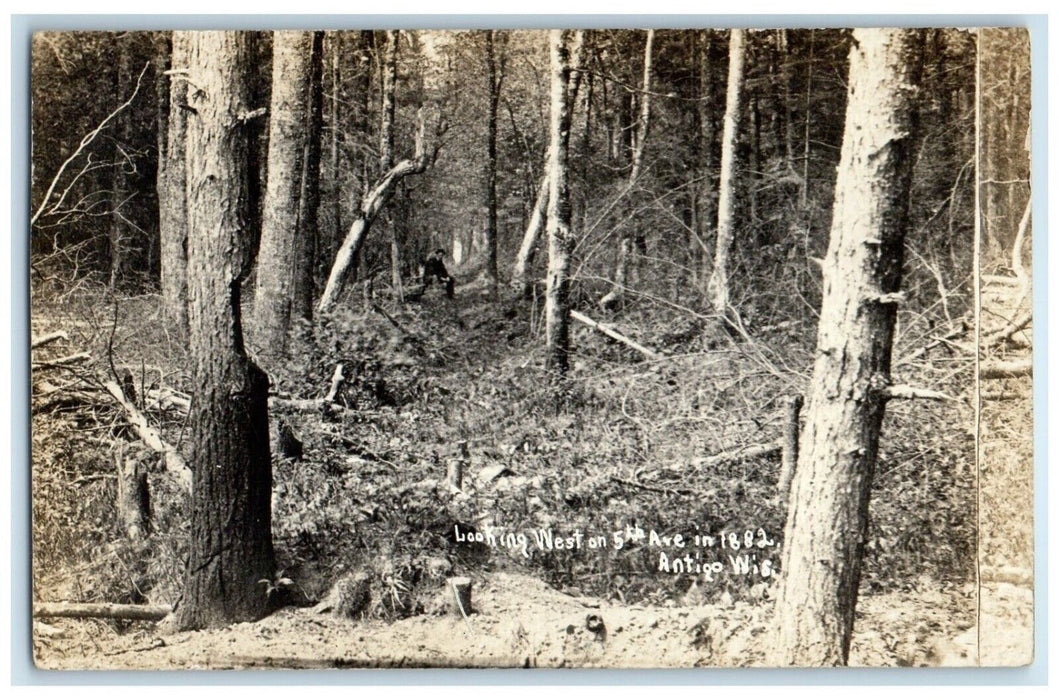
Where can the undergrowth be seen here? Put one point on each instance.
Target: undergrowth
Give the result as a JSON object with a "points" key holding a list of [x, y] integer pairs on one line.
{"points": [[625, 446]]}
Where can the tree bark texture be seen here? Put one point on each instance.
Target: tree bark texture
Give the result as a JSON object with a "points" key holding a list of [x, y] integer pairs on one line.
{"points": [[308, 239], [494, 73], [528, 249], [172, 204], [827, 523], [231, 524], [279, 259], [560, 238]]}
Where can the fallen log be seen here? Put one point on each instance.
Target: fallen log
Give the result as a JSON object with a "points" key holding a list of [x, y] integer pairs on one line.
{"points": [[47, 338], [772, 449], [62, 362], [110, 611], [1011, 328], [1006, 370], [611, 333], [150, 436]]}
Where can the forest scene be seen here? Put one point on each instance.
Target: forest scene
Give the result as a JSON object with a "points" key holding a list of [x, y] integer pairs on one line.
{"points": [[531, 348]]}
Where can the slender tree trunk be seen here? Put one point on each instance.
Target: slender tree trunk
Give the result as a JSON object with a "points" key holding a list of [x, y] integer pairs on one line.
{"points": [[808, 116], [231, 522], [333, 157], [560, 238], [172, 204], [626, 249], [494, 74], [120, 238], [307, 239], [160, 57], [539, 215], [388, 86], [827, 525], [788, 116], [707, 210], [389, 102], [528, 249], [717, 289], [278, 257]]}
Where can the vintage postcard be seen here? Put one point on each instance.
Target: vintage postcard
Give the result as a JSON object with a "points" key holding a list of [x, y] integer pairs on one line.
{"points": [[631, 348]]}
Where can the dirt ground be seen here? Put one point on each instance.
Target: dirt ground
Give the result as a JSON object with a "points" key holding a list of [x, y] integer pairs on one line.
{"points": [[518, 621]]}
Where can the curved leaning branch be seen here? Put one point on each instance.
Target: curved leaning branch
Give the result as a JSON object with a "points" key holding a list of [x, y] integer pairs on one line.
{"points": [[370, 207], [89, 138]]}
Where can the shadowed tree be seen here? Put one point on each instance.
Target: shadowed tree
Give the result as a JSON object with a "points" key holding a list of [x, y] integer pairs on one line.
{"points": [[616, 295], [231, 523]]}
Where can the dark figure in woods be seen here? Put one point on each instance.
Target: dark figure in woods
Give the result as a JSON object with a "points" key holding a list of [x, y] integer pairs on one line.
{"points": [[434, 267]]}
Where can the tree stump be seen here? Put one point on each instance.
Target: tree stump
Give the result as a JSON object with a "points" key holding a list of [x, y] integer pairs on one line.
{"points": [[461, 595], [134, 499]]}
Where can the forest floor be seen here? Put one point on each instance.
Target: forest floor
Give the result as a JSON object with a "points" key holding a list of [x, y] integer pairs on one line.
{"points": [[635, 443]]}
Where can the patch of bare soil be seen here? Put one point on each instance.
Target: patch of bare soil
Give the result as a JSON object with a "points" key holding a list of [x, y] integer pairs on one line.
{"points": [[517, 621]]}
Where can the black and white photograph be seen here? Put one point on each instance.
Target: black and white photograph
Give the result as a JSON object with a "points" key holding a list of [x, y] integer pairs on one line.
{"points": [[531, 348]]}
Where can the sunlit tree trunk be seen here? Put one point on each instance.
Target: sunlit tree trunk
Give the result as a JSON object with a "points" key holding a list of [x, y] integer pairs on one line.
{"points": [[827, 525], [172, 205], [309, 198], [531, 237], [717, 289], [231, 522], [560, 238], [278, 258]]}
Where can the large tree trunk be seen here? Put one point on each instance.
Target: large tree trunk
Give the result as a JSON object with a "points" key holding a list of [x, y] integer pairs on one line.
{"points": [[827, 525], [172, 205], [495, 75], [288, 137], [307, 240], [560, 238], [717, 289], [626, 250], [231, 521]]}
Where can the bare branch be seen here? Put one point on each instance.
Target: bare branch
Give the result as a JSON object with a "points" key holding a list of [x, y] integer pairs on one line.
{"points": [[89, 138]]}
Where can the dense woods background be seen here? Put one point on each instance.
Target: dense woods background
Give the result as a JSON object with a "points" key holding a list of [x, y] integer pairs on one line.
{"points": [[665, 439]]}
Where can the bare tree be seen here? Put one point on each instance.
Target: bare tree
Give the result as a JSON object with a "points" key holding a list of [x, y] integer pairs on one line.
{"points": [[527, 250], [172, 204], [827, 525], [278, 257], [560, 238], [717, 288], [495, 76], [231, 523]]}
